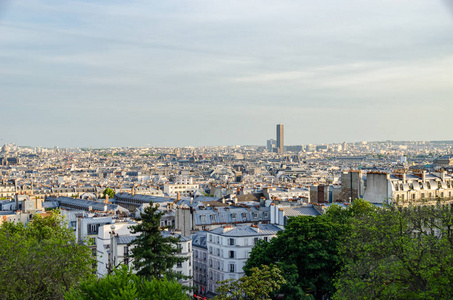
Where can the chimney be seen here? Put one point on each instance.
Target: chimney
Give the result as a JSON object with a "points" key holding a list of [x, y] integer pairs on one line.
{"points": [[178, 196], [106, 198]]}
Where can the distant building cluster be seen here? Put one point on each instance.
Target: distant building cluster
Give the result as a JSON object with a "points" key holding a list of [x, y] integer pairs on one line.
{"points": [[219, 200]]}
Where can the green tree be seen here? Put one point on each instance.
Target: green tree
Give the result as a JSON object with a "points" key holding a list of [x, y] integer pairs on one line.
{"points": [[41, 260], [263, 283], [110, 192], [399, 253], [307, 251], [122, 284], [154, 253]]}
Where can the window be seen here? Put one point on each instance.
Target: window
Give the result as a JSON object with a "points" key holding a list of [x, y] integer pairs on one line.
{"points": [[179, 264], [413, 196], [231, 254], [213, 218], [210, 250], [218, 251], [231, 268], [255, 240], [265, 238], [233, 216], [423, 195], [231, 242], [218, 240], [266, 214], [179, 248], [190, 261], [203, 218], [210, 238], [93, 228]]}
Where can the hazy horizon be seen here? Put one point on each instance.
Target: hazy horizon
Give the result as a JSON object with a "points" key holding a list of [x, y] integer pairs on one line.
{"points": [[174, 73]]}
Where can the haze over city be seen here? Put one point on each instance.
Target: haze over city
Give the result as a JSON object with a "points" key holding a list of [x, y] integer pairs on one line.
{"points": [[178, 73]]}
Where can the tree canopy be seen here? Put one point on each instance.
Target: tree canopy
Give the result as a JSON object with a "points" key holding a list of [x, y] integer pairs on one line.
{"points": [[307, 251], [109, 192], [154, 254], [262, 283], [41, 260], [399, 253], [122, 284]]}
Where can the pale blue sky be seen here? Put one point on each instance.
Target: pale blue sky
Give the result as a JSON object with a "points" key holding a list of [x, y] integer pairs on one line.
{"points": [[189, 72]]}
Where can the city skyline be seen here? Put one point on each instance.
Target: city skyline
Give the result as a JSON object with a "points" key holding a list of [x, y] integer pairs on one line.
{"points": [[87, 74]]}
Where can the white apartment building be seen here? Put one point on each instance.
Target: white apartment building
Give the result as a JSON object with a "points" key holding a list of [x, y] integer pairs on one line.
{"points": [[106, 235], [200, 262], [286, 193], [113, 249], [183, 185], [417, 187], [7, 190], [229, 248]]}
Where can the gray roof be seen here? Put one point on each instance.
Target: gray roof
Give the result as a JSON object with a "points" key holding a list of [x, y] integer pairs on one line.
{"points": [[125, 239], [199, 239], [238, 231], [168, 234], [140, 198], [98, 220], [230, 215], [50, 204], [306, 210], [84, 204]]}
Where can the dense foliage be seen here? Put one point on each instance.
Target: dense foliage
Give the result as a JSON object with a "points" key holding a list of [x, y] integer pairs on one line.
{"points": [[109, 192], [262, 283], [399, 253], [307, 251], [41, 260], [122, 284], [364, 252], [154, 254]]}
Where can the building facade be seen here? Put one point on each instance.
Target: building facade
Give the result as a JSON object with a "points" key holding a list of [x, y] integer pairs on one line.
{"points": [[280, 142], [229, 248], [113, 249], [403, 188]]}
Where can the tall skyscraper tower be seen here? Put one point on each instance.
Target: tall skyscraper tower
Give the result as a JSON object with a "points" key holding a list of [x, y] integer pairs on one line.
{"points": [[280, 144]]}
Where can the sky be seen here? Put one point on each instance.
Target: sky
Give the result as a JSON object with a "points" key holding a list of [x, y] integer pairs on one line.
{"points": [[97, 73]]}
